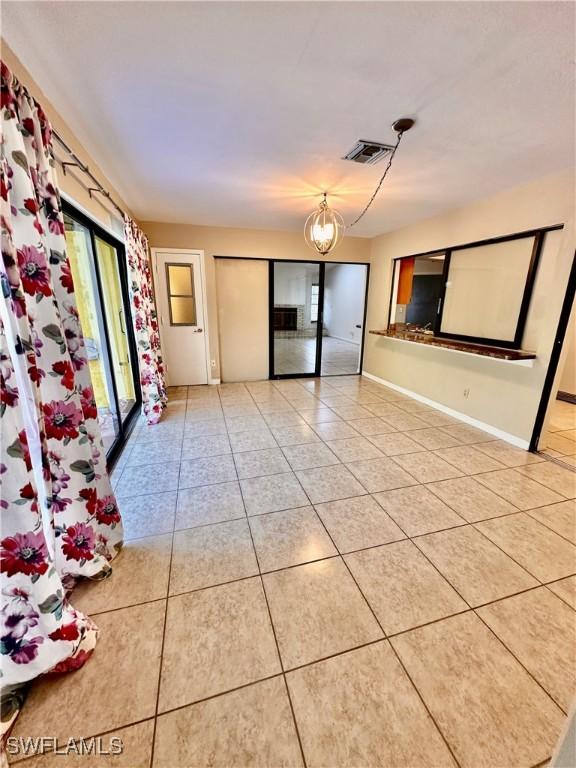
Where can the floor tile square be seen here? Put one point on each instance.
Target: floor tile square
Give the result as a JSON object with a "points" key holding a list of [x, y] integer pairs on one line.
{"points": [[476, 568], [541, 551], [403, 589], [240, 409], [335, 430], [254, 440], [467, 434], [126, 637], [164, 430], [427, 467], [210, 555], [208, 427], [417, 511], [357, 523], [433, 438], [395, 443], [139, 574], [147, 515], [566, 590], [329, 483], [216, 469], [270, 461], [204, 446], [203, 413], [319, 415], [385, 409], [518, 489], [252, 726], [284, 419], [149, 479], [508, 454], [487, 706], [317, 611], [150, 452], [538, 628], [272, 493], [553, 476], [560, 517], [470, 499], [371, 426], [207, 504], [369, 688], [354, 449], [298, 435], [216, 639], [309, 456], [380, 474], [348, 412], [288, 538], [469, 459], [403, 421], [244, 423]]}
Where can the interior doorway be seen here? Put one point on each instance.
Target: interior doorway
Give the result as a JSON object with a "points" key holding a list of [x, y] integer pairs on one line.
{"points": [[317, 315]]}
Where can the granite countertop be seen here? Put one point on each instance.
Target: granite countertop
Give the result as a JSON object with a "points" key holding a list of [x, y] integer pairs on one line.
{"points": [[500, 353]]}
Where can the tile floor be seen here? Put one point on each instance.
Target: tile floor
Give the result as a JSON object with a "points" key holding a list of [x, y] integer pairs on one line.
{"points": [[298, 355], [325, 573], [560, 438]]}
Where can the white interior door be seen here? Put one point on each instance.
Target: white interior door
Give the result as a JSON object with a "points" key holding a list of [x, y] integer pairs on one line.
{"points": [[180, 298]]}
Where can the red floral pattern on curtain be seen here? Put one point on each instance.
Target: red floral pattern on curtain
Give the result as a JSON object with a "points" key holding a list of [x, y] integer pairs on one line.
{"points": [[145, 320], [60, 520]]}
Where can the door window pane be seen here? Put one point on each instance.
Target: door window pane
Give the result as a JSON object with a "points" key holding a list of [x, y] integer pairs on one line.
{"points": [[182, 310], [181, 299], [116, 325], [79, 248]]}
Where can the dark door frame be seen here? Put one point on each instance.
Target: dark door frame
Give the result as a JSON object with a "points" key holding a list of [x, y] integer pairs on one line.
{"points": [[322, 273], [561, 329], [96, 231]]}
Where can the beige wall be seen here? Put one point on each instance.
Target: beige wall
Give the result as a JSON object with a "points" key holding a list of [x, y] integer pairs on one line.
{"points": [[501, 394], [568, 368], [245, 243], [242, 299], [72, 183]]}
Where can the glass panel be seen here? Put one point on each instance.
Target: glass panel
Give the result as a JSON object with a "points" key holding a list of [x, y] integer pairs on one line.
{"points": [[80, 254], [295, 334], [180, 280], [484, 289], [182, 310], [116, 325], [344, 297]]}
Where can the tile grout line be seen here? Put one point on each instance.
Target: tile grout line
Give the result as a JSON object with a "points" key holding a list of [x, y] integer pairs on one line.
{"points": [[270, 619]]}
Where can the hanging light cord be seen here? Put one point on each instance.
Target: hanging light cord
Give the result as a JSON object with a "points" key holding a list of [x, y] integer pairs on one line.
{"points": [[388, 166]]}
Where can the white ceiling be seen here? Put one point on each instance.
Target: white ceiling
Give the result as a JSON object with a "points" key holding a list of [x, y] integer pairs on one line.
{"points": [[236, 114]]}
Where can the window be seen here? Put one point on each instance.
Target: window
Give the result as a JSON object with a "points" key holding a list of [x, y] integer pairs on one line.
{"points": [[478, 292], [181, 299], [314, 303], [98, 265]]}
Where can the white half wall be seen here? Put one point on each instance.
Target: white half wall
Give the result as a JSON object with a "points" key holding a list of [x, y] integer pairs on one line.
{"points": [[344, 292]]}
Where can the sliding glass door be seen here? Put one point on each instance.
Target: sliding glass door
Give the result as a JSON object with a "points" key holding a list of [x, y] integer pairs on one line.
{"points": [[296, 320], [317, 314], [100, 283]]}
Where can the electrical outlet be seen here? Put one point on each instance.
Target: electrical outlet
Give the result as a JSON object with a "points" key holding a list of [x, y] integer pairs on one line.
{"points": [[466, 392], [213, 363]]}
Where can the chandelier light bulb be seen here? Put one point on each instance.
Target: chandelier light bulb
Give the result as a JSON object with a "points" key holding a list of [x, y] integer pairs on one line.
{"points": [[324, 228]]}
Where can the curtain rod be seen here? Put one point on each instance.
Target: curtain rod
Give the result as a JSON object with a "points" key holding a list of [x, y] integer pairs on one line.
{"points": [[84, 168]]}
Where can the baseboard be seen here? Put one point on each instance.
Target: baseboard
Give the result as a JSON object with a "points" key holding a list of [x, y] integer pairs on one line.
{"points": [[499, 433], [341, 338], [566, 397]]}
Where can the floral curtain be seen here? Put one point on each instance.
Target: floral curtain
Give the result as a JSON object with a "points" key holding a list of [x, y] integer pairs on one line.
{"points": [[145, 320], [59, 516]]}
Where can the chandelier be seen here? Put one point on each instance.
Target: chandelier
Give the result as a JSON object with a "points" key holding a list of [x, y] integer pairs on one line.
{"points": [[325, 227]]}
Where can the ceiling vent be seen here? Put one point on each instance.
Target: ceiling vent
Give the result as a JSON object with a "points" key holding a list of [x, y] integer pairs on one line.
{"points": [[368, 152]]}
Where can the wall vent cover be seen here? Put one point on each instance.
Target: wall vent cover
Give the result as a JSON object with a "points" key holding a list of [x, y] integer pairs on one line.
{"points": [[368, 152]]}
